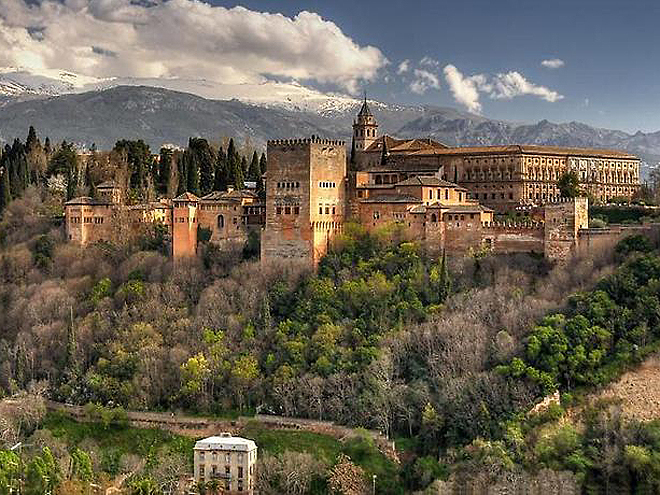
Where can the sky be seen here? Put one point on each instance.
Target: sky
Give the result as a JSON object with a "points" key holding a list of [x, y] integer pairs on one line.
{"points": [[581, 60]]}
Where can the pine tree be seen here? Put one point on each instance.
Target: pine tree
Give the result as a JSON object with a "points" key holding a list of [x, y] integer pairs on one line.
{"points": [[220, 179]]}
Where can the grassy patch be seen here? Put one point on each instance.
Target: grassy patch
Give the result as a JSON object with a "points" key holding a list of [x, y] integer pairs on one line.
{"points": [[360, 449], [323, 447], [116, 439]]}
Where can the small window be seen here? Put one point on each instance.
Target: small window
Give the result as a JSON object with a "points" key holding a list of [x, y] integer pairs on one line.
{"points": [[333, 210], [287, 210], [296, 210], [320, 210], [278, 210], [327, 210]]}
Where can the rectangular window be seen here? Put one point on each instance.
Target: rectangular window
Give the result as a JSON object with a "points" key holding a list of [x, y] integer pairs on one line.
{"points": [[287, 210], [333, 210], [320, 210], [278, 210], [240, 471], [296, 210], [327, 210]]}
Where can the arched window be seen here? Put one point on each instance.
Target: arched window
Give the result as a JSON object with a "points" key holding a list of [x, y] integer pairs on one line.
{"points": [[434, 218], [221, 221]]}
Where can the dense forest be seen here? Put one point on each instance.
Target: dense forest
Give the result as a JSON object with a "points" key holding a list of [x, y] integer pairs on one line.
{"points": [[445, 355]]}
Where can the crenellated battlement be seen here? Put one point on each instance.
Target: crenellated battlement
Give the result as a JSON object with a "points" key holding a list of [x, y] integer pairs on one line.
{"points": [[514, 225], [306, 141], [563, 201]]}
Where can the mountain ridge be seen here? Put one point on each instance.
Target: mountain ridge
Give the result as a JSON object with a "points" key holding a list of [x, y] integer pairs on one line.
{"points": [[164, 116]]}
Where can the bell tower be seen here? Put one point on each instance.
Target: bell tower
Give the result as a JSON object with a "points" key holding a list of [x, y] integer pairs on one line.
{"points": [[365, 128]]}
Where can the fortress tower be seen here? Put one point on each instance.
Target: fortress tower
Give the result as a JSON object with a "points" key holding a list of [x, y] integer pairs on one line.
{"points": [[305, 198], [365, 129]]}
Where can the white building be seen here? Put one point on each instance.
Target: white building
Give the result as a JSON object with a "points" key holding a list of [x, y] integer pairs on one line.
{"points": [[229, 459]]}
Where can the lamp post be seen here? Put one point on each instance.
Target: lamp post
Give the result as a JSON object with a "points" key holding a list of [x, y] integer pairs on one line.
{"points": [[373, 484]]}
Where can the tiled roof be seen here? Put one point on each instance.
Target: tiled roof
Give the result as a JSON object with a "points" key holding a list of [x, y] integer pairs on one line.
{"points": [[86, 200], [186, 196], [426, 180], [392, 198], [395, 146], [462, 208], [525, 148], [228, 195]]}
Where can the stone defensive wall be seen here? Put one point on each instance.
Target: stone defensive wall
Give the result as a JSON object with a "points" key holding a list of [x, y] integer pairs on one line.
{"points": [[593, 240], [500, 237], [305, 141]]}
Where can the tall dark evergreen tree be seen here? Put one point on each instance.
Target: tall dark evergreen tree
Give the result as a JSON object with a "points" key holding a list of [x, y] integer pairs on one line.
{"points": [[47, 147], [192, 171], [203, 156], [5, 190], [139, 160], [182, 174], [221, 174], [262, 163], [164, 170], [254, 172]]}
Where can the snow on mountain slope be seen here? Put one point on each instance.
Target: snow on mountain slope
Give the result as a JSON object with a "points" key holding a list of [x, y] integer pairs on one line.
{"points": [[289, 96], [17, 81]]}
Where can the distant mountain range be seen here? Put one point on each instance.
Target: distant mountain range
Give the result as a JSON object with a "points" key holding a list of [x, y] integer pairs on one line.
{"points": [[62, 106]]}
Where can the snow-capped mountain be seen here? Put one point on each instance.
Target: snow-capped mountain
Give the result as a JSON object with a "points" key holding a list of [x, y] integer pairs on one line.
{"points": [[291, 96], [17, 81]]}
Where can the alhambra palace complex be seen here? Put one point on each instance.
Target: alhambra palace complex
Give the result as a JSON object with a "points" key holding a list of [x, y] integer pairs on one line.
{"points": [[443, 197]]}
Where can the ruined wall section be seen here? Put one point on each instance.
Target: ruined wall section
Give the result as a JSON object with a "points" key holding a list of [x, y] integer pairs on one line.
{"points": [[563, 221]]}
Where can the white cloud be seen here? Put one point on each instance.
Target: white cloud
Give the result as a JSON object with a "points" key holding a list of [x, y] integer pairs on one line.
{"points": [[181, 38], [468, 89], [512, 84], [465, 89], [403, 67], [553, 63], [429, 62], [424, 80]]}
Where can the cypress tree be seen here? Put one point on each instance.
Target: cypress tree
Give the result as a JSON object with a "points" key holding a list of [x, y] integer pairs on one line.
{"points": [[262, 163], [89, 182], [203, 156], [254, 171], [220, 179], [164, 170], [233, 163], [192, 169], [182, 174], [47, 147], [5, 190]]}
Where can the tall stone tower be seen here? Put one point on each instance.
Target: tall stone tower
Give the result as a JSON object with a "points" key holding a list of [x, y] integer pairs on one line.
{"points": [[184, 225], [305, 198], [365, 129]]}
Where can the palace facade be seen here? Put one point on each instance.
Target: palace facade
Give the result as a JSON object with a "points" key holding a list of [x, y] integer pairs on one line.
{"points": [[444, 197]]}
